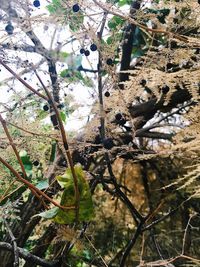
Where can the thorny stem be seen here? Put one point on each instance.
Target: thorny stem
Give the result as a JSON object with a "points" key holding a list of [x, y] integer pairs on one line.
{"points": [[65, 144]]}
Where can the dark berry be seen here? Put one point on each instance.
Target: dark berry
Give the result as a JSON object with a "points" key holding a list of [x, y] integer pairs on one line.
{"points": [[118, 116], [36, 3], [60, 106], [50, 102], [198, 1], [45, 107], [165, 89], [76, 8], [82, 51], [169, 65], [87, 53], [136, 5], [109, 61], [93, 47], [143, 82], [9, 29], [108, 143], [107, 94], [25, 78], [36, 163]]}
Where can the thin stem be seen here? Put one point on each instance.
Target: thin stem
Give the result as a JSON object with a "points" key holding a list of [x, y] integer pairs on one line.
{"points": [[32, 187], [14, 244], [100, 85], [33, 133], [135, 214], [131, 244], [3, 122], [65, 144], [22, 81]]}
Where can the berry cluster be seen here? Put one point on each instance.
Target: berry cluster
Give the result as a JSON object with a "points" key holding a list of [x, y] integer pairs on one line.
{"points": [[86, 52]]}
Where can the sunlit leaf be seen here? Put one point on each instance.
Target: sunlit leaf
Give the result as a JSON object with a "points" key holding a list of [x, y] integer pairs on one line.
{"points": [[86, 210]]}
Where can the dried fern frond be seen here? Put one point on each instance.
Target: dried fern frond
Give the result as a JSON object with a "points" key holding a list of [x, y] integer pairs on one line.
{"points": [[67, 234]]}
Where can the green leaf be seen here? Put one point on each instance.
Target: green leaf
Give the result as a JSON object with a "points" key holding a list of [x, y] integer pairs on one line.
{"points": [[122, 3], [49, 214], [86, 210], [114, 22], [88, 82], [73, 61], [43, 184], [66, 73], [137, 52], [26, 162], [76, 21], [63, 56], [53, 8], [53, 152], [63, 116]]}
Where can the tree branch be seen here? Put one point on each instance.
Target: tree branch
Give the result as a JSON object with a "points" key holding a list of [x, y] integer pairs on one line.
{"points": [[28, 256], [14, 244]]}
